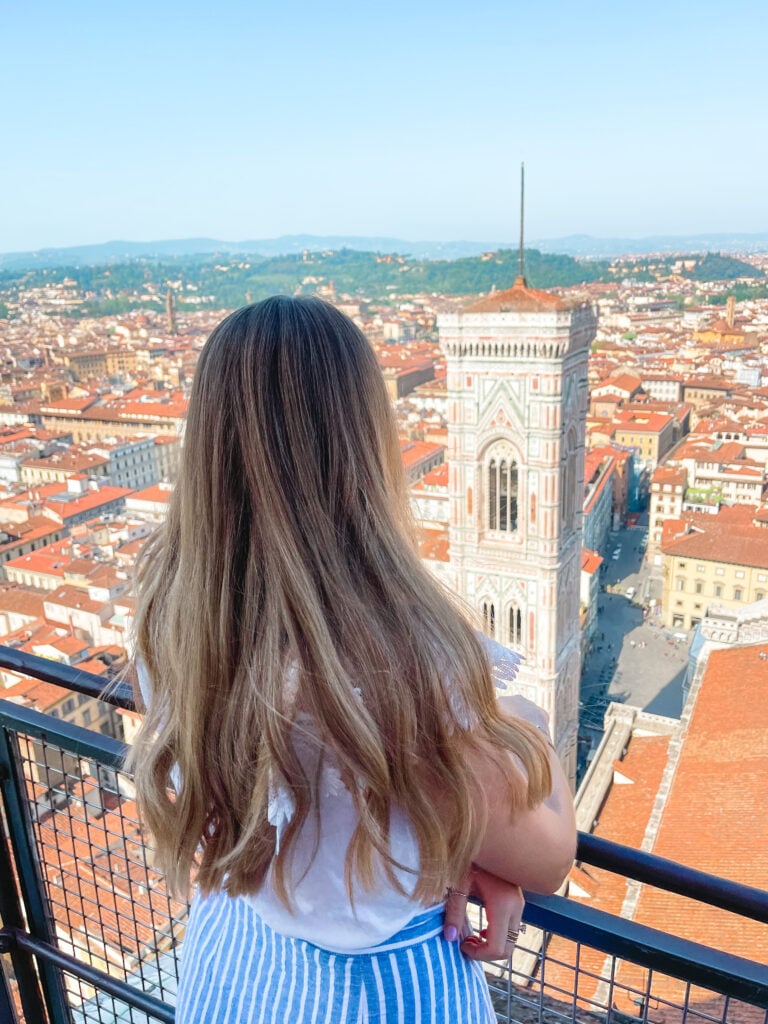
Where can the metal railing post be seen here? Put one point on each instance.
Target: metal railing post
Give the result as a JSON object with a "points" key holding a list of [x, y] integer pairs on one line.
{"points": [[7, 1012], [11, 917], [30, 881]]}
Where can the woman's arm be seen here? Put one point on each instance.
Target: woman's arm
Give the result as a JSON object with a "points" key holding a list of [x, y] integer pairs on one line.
{"points": [[530, 848]]}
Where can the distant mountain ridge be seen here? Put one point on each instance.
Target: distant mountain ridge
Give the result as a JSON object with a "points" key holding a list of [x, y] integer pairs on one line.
{"points": [[587, 245], [584, 246], [285, 245]]}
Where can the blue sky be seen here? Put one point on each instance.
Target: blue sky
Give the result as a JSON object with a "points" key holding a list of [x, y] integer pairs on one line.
{"points": [[410, 119]]}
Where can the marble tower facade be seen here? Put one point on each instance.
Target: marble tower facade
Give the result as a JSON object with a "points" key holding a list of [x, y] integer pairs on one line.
{"points": [[517, 404]]}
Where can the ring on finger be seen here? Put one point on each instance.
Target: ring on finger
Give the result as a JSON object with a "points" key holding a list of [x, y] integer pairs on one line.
{"points": [[514, 933]]}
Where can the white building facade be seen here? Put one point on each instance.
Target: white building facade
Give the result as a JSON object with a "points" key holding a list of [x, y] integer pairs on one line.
{"points": [[517, 404]]}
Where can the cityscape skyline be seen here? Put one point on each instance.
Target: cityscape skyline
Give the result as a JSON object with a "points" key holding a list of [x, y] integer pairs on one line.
{"points": [[403, 122]]}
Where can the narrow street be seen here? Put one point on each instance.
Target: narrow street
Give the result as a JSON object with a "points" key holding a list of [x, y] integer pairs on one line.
{"points": [[634, 659]]}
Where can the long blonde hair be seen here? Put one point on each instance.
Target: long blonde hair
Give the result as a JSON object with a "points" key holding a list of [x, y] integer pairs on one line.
{"points": [[288, 541]]}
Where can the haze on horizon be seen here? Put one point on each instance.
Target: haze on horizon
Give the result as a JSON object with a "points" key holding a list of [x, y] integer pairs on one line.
{"points": [[149, 122]]}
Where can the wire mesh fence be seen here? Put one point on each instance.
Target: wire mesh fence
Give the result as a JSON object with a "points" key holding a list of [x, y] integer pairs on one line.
{"points": [[105, 903], [553, 980]]}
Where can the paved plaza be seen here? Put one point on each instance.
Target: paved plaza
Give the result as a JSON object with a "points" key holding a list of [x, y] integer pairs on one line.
{"points": [[634, 659]]}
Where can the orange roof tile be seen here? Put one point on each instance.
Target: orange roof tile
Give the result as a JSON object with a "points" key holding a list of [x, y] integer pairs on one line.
{"points": [[731, 536], [623, 819], [711, 818], [160, 493], [590, 561], [435, 546]]}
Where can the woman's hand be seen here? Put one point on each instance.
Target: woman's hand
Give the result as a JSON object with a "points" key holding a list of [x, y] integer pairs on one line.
{"points": [[504, 905]]}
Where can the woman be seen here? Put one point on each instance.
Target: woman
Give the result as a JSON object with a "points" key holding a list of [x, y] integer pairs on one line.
{"points": [[323, 753]]}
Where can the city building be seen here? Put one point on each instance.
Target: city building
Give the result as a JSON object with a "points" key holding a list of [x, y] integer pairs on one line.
{"points": [[706, 558], [599, 472], [111, 362], [650, 434], [668, 485], [589, 596]]}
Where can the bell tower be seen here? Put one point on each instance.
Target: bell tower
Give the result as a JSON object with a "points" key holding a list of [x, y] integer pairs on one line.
{"points": [[517, 403]]}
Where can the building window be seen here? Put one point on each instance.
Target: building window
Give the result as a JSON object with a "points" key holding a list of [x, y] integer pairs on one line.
{"points": [[87, 716], [681, 565], [681, 584], [502, 495], [700, 568], [739, 574], [489, 619], [760, 595], [719, 572], [737, 593], [718, 590], [515, 627], [699, 586]]}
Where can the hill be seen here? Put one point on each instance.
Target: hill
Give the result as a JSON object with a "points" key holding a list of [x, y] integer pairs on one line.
{"points": [[231, 282]]}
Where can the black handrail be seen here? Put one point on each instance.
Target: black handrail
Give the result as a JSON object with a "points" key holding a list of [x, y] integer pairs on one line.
{"points": [[92, 976], [673, 877], [118, 694]]}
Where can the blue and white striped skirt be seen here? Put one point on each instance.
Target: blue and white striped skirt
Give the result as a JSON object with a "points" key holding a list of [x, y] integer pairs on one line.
{"points": [[237, 970]]}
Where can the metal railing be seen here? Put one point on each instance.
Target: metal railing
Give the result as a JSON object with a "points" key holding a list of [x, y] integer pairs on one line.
{"points": [[89, 933]]}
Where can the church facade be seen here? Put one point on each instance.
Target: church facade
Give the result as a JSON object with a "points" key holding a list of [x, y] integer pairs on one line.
{"points": [[517, 404]]}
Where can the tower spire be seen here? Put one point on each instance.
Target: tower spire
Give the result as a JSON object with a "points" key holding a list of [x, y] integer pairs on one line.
{"points": [[520, 274]]}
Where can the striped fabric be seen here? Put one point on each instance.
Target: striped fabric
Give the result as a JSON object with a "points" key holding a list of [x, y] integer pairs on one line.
{"points": [[237, 970]]}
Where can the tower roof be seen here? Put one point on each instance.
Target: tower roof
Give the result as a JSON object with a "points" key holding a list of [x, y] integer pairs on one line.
{"points": [[520, 299]]}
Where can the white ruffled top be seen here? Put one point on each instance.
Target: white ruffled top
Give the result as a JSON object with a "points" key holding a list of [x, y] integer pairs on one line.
{"points": [[322, 912]]}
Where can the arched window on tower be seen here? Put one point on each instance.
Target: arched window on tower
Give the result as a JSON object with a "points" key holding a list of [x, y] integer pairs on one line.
{"points": [[489, 619], [502, 495], [515, 627], [492, 495]]}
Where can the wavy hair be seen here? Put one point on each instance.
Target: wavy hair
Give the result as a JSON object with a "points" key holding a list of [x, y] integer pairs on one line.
{"points": [[288, 542]]}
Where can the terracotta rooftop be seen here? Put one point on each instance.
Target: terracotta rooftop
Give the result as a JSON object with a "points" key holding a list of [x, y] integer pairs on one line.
{"points": [[669, 475], [731, 536], [22, 601], [710, 820], [520, 299], [437, 477], [624, 382], [623, 819], [415, 452], [641, 423], [590, 561], [159, 493], [434, 546]]}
